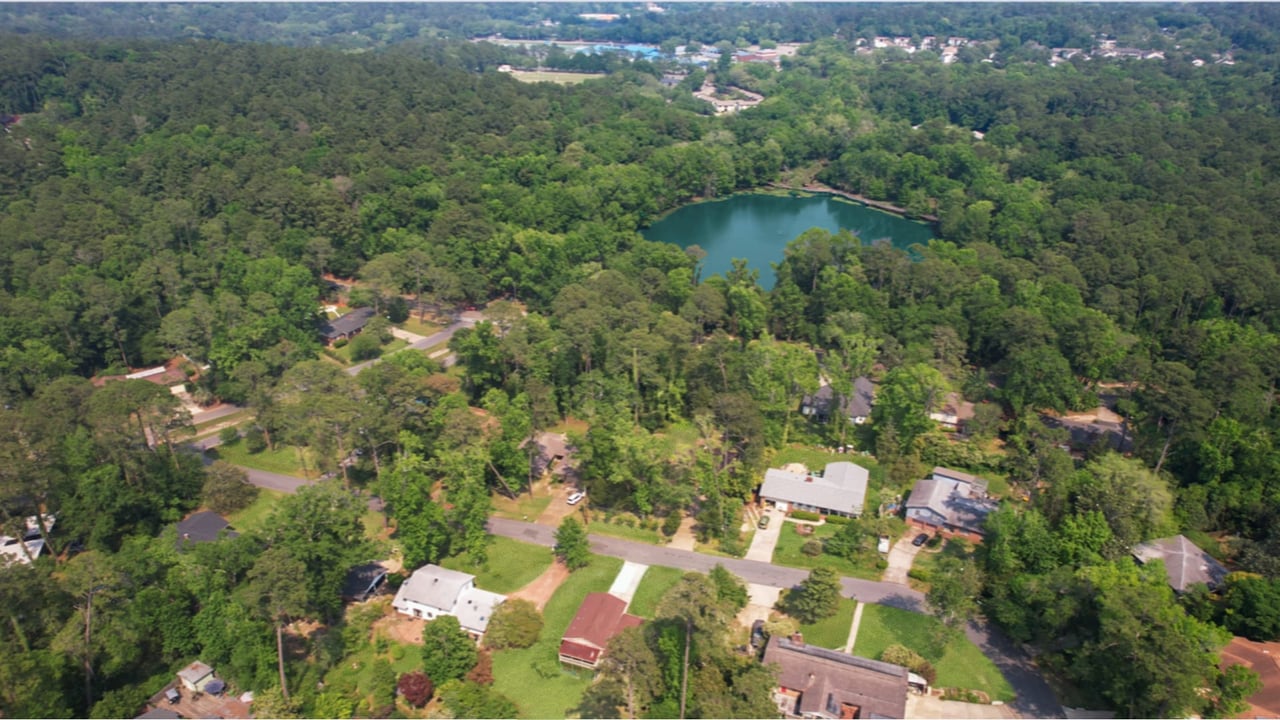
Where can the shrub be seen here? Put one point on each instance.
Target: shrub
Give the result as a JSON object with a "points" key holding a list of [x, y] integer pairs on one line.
{"points": [[229, 435], [365, 346], [416, 688], [255, 441], [812, 548], [339, 343], [838, 520], [731, 544], [515, 624], [911, 660], [226, 488], [881, 563], [805, 515], [482, 673], [671, 523], [921, 574]]}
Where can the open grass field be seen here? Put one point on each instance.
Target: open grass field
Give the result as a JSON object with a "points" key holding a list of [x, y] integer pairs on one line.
{"points": [[511, 565], [255, 516], [600, 527], [285, 459], [816, 459], [788, 552], [523, 506], [343, 354], [560, 78], [656, 582], [833, 632], [417, 327], [533, 677], [960, 663]]}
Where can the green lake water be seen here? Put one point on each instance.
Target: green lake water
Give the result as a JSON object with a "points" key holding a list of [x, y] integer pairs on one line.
{"points": [[758, 228]]}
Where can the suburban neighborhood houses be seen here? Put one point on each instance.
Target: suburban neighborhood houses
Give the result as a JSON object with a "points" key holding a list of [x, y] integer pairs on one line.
{"points": [[817, 683], [840, 489], [950, 502], [600, 617]]}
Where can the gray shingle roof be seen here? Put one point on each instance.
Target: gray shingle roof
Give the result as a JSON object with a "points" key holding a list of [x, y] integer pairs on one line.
{"points": [[842, 487], [475, 607], [960, 503], [434, 586], [347, 324], [204, 526], [1185, 564]]}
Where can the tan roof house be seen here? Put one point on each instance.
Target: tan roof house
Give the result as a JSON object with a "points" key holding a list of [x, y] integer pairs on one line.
{"points": [[814, 682]]}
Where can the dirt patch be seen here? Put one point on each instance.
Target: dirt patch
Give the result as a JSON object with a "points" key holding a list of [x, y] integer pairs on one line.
{"points": [[541, 588], [684, 538], [560, 508], [796, 468], [400, 628]]}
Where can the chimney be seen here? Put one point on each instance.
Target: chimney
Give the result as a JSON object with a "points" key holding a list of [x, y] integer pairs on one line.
{"points": [[808, 478], [797, 639]]}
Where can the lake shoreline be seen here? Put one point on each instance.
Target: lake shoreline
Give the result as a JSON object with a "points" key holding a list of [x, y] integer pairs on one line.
{"points": [[818, 188]]}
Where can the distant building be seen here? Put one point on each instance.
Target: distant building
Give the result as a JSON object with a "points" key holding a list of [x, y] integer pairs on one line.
{"points": [[951, 503], [599, 618], [204, 526], [363, 581], [22, 550], [857, 407], [841, 490], [196, 676], [1185, 564], [955, 413], [814, 682], [347, 326], [433, 591]]}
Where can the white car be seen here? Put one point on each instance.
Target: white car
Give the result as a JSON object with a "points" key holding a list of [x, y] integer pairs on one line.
{"points": [[576, 498]]}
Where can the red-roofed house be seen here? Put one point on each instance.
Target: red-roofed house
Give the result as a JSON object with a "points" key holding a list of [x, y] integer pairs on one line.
{"points": [[600, 618]]}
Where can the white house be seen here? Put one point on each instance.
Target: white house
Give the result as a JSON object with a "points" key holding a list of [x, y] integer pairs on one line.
{"points": [[841, 490], [433, 591], [22, 550]]}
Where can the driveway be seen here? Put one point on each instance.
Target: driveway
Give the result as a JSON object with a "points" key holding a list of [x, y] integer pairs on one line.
{"points": [[466, 319], [766, 540], [929, 706], [628, 579], [901, 555]]}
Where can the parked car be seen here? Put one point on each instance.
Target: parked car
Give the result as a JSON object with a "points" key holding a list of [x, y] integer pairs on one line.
{"points": [[757, 633], [764, 522], [920, 539], [576, 498]]}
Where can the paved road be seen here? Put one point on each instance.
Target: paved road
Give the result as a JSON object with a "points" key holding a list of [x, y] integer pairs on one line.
{"points": [[1034, 697], [466, 319]]}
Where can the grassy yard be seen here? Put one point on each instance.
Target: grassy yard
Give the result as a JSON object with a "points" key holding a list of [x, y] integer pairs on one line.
{"points": [[788, 553], [960, 663], [523, 507], [417, 327], [656, 582], [512, 565], [285, 459], [204, 429], [255, 516], [817, 459], [533, 677], [833, 632], [343, 354], [600, 527]]}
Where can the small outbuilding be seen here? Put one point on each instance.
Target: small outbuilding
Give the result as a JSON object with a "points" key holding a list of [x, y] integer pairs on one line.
{"points": [[196, 676]]}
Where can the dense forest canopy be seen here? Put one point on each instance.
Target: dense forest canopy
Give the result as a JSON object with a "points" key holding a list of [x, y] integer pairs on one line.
{"points": [[178, 181]]}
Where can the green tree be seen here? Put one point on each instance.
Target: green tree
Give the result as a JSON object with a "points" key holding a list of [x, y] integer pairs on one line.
{"points": [[572, 546], [516, 623], [275, 592], [955, 585], [227, 488], [816, 598], [448, 652], [631, 663], [906, 397]]}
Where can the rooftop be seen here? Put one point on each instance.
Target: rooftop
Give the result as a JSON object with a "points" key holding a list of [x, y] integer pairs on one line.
{"points": [[1185, 564], [599, 618], [434, 586], [828, 680], [842, 487], [204, 526], [347, 324]]}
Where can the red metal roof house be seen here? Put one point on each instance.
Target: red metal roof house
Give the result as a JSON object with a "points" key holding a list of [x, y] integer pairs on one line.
{"points": [[600, 617]]}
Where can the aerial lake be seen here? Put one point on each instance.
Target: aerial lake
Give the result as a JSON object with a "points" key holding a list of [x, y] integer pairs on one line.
{"points": [[758, 228]]}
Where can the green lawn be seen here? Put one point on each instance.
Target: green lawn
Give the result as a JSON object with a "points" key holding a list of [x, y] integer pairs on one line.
{"points": [[285, 459], [533, 677], [255, 516], [833, 632], [417, 327], [788, 553], [512, 565], [656, 582], [817, 459], [343, 354], [522, 508], [960, 663], [599, 527]]}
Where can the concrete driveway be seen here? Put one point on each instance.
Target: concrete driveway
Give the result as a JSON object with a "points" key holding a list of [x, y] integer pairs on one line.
{"points": [[901, 555], [929, 706], [766, 540], [628, 579]]}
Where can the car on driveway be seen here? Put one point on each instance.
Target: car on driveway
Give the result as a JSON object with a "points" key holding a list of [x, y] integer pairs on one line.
{"points": [[920, 539], [576, 498], [763, 523]]}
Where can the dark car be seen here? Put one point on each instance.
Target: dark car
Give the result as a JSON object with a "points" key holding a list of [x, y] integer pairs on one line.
{"points": [[920, 539], [757, 633]]}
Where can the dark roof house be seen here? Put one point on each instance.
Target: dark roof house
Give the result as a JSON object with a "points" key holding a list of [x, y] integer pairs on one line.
{"points": [[814, 682], [856, 407], [204, 526], [1184, 563], [347, 326], [951, 501], [600, 617], [362, 581]]}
